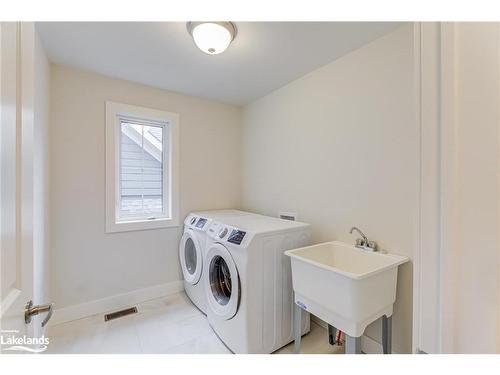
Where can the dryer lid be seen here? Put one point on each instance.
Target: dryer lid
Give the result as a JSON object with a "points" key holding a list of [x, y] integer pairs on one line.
{"points": [[191, 257]]}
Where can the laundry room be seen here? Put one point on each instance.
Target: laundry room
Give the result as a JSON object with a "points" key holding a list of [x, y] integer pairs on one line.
{"points": [[251, 155], [250, 187]]}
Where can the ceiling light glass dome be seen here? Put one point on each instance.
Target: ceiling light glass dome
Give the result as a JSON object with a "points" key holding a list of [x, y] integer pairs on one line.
{"points": [[212, 37]]}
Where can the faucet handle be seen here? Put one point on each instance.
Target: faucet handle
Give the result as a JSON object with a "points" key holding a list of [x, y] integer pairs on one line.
{"points": [[363, 242], [360, 242]]}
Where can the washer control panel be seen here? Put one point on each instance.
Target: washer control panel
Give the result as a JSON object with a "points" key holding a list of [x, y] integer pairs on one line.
{"points": [[222, 232], [215, 230], [225, 233], [236, 236]]}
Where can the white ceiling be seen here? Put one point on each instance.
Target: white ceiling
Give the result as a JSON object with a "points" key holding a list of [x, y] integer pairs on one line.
{"points": [[263, 57]]}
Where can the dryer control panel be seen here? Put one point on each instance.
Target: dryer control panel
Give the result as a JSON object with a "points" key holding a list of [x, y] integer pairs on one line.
{"points": [[200, 224], [197, 222]]}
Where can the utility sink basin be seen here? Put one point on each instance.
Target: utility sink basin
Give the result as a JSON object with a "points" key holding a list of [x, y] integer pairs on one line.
{"points": [[345, 286]]}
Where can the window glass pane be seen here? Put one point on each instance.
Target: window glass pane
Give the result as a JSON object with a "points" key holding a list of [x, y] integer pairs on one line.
{"points": [[141, 171]]}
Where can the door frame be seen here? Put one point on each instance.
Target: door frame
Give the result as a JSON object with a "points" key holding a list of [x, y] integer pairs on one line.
{"points": [[438, 259], [433, 260], [22, 290]]}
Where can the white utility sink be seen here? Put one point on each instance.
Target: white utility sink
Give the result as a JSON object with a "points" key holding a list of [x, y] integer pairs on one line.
{"points": [[345, 286]]}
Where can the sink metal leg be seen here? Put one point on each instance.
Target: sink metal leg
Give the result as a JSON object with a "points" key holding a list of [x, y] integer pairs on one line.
{"points": [[297, 327], [387, 334], [332, 333], [352, 345]]}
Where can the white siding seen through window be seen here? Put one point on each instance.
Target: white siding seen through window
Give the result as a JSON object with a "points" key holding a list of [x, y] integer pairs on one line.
{"points": [[141, 170], [142, 164]]}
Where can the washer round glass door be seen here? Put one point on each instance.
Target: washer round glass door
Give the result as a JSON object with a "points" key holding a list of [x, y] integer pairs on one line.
{"points": [[190, 257], [222, 282]]}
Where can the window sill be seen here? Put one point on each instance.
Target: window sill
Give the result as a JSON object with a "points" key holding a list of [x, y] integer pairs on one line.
{"points": [[127, 226]]}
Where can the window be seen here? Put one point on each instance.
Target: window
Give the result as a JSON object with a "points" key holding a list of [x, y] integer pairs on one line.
{"points": [[141, 168]]}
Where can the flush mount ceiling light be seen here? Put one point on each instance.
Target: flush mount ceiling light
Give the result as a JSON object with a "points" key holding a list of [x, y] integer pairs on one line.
{"points": [[212, 37]]}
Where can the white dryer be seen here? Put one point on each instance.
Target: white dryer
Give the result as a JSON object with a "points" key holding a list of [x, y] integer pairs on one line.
{"points": [[192, 252], [248, 281]]}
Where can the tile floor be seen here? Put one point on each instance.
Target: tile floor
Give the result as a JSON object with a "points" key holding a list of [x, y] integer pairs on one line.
{"points": [[168, 325]]}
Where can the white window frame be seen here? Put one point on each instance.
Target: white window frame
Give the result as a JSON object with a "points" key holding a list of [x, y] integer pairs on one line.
{"points": [[115, 112]]}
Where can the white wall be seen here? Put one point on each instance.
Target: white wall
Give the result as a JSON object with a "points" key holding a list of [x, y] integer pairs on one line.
{"points": [[463, 302], [41, 220], [340, 146], [478, 146], [88, 264]]}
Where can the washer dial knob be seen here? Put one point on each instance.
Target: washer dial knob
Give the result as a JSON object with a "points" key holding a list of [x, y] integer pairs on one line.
{"points": [[223, 232]]}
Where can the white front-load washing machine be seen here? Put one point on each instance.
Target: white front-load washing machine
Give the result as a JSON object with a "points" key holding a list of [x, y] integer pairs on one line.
{"points": [[192, 252], [248, 281]]}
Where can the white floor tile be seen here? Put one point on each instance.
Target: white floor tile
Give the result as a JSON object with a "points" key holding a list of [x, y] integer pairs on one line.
{"points": [[156, 336], [207, 344], [167, 325], [116, 337]]}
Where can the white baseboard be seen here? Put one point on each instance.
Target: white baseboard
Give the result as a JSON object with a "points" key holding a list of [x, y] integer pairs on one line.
{"points": [[368, 345], [113, 303]]}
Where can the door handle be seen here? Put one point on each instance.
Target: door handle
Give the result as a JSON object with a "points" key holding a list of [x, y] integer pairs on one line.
{"points": [[31, 310]]}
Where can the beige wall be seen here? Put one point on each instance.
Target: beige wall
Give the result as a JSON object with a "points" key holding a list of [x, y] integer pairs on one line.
{"points": [[340, 147], [88, 264]]}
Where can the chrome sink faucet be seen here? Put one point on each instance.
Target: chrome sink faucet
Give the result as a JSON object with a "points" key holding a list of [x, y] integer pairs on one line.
{"points": [[363, 242]]}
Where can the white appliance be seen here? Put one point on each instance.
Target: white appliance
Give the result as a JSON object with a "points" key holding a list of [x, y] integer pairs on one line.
{"points": [[248, 281], [192, 252]]}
